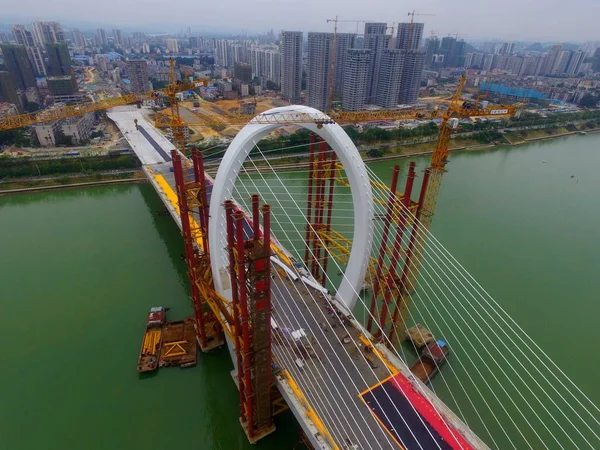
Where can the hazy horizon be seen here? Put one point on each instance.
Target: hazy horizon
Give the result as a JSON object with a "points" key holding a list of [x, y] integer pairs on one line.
{"points": [[536, 20]]}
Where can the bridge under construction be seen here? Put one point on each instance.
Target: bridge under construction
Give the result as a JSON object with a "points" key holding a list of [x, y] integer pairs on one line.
{"points": [[262, 285]]}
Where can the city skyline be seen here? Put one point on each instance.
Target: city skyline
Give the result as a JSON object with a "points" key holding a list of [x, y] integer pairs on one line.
{"points": [[472, 20]]}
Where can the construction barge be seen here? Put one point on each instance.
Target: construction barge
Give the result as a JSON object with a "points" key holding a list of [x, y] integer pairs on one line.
{"points": [[432, 352], [167, 344]]}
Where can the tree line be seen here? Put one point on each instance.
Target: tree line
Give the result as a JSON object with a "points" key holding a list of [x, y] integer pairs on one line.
{"points": [[24, 167]]}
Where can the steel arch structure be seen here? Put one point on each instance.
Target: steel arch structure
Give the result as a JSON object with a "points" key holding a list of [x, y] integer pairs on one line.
{"points": [[358, 178]]}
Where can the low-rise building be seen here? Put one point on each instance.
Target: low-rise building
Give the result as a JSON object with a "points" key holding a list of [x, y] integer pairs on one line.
{"points": [[61, 85], [8, 109], [79, 127], [46, 133]]}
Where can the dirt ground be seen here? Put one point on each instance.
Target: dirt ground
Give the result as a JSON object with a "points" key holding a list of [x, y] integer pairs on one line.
{"points": [[193, 115]]}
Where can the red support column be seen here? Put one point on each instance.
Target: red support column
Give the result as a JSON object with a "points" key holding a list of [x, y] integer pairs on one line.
{"points": [[266, 210], [383, 247], [411, 243], [309, 197], [397, 243], [188, 245], [319, 208], [331, 178], [255, 217], [413, 234], [243, 299], [237, 328]]}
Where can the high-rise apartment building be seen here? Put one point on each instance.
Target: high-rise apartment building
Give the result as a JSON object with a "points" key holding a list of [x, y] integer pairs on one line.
{"points": [[22, 36], [514, 64], [409, 41], [242, 72], [412, 72], [101, 39], [47, 33], [469, 60], [344, 42], [37, 31], [291, 65], [59, 60], [356, 79], [137, 72], [223, 55], [240, 52], [34, 53], [17, 63], [172, 45], [78, 39], [488, 61], [456, 56], [531, 66], [390, 78], [117, 37], [320, 46], [561, 63], [550, 59], [575, 62], [266, 64], [432, 47], [409, 36], [36, 58], [376, 40], [8, 90], [507, 48]]}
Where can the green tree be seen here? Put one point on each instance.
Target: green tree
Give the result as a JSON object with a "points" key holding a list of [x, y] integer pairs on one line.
{"points": [[31, 107], [588, 101], [272, 86], [61, 139], [353, 133]]}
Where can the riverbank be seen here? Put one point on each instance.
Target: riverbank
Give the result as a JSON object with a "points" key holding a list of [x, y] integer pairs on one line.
{"points": [[295, 161], [58, 183]]}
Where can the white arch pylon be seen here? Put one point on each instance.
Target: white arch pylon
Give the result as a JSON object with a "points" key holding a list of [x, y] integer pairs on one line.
{"points": [[358, 178]]}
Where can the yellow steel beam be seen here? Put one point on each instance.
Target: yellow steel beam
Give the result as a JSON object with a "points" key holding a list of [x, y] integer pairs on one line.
{"points": [[172, 347], [310, 412]]}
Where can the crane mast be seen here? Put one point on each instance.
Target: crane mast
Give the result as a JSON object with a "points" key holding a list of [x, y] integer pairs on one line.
{"points": [[177, 125]]}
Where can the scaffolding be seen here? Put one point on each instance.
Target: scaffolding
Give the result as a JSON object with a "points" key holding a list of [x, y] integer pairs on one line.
{"points": [[250, 272]]}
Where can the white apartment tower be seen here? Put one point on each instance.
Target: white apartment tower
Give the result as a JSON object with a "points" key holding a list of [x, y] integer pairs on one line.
{"points": [[320, 47], [291, 65], [377, 41], [172, 46], [389, 79], [356, 79]]}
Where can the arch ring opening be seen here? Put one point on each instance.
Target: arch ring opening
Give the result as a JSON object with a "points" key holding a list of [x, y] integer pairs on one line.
{"points": [[360, 186]]}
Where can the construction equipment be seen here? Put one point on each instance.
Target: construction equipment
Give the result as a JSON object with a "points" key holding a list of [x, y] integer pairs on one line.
{"points": [[341, 117]]}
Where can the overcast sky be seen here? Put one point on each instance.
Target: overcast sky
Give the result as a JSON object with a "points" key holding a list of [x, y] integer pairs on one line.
{"points": [[560, 20]]}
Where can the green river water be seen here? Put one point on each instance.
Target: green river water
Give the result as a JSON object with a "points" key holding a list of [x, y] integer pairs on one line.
{"points": [[80, 268]]}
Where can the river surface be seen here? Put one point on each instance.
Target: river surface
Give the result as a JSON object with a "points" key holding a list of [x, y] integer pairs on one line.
{"points": [[80, 268]]}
